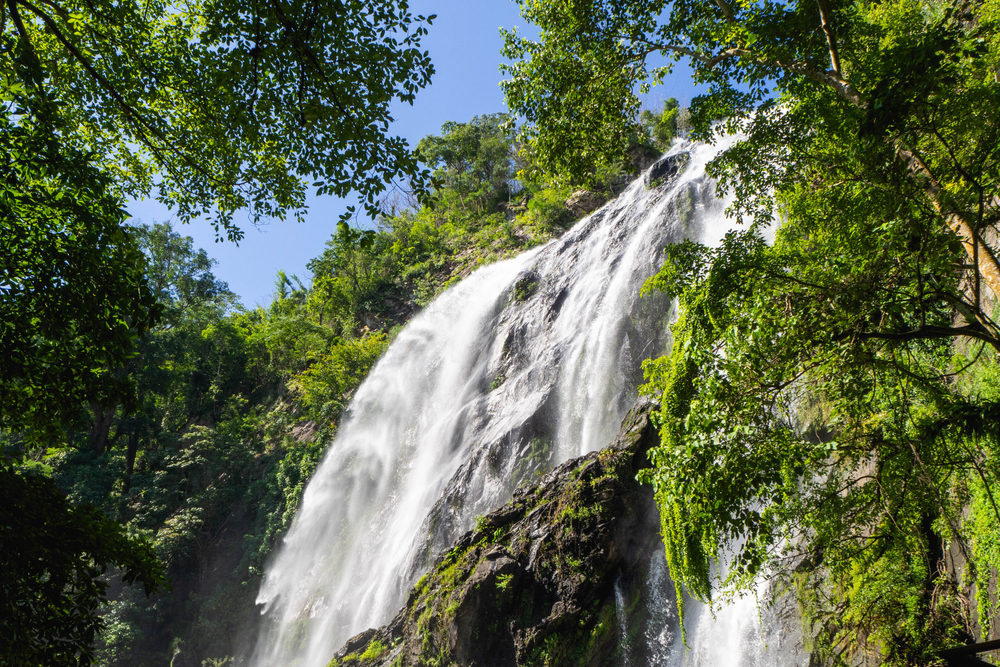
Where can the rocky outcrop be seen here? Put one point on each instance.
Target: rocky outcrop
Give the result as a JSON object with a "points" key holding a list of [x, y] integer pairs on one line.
{"points": [[552, 578], [582, 202], [666, 168], [642, 156]]}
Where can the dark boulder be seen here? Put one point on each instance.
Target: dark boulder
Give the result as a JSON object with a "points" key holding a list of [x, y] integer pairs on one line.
{"points": [[666, 168]]}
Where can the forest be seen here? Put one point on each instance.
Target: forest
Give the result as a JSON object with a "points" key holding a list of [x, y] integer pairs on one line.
{"points": [[827, 413]]}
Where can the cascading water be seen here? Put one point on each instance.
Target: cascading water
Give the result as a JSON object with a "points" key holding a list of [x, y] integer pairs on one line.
{"points": [[525, 364]]}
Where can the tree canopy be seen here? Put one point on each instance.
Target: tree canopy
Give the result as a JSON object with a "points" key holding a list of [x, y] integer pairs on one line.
{"points": [[473, 160], [73, 296], [216, 106], [54, 558], [823, 406]]}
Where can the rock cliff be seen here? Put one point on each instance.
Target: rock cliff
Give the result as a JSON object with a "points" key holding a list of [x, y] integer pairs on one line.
{"points": [[552, 578]]}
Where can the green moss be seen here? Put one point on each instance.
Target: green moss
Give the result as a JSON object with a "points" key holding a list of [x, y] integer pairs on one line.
{"points": [[373, 651], [565, 649], [572, 513], [604, 627], [439, 598], [525, 287]]}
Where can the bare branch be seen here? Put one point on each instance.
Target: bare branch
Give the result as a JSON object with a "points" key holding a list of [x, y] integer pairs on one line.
{"points": [[726, 55], [676, 48], [831, 79]]}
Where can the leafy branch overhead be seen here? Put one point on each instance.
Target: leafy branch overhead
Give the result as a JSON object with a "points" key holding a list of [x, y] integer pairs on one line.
{"points": [[216, 106], [762, 62]]}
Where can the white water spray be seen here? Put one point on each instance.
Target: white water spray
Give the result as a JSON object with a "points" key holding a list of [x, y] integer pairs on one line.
{"points": [[521, 366]]}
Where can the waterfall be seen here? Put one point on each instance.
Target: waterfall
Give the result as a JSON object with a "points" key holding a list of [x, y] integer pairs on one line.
{"points": [[523, 365]]}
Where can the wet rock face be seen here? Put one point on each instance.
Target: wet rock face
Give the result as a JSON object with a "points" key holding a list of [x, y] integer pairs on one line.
{"points": [[666, 168], [539, 581]]}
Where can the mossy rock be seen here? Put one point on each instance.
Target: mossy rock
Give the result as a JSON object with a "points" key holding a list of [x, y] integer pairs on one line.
{"points": [[534, 582]]}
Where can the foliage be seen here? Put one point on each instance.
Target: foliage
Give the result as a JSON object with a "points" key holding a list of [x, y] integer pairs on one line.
{"points": [[474, 160], [662, 126], [547, 209], [219, 107], [54, 558], [373, 652], [574, 86], [72, 293], [332, 379], [73, 300], [181, 277], [351, 279], [870, 127], [983, 526], [861, 496], [479, 213]]}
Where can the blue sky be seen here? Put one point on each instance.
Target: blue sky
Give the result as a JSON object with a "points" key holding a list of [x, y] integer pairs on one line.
{"points": [[464, 44]]}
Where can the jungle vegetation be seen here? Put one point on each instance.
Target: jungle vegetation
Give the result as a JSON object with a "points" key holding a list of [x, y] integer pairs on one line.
{"points": [[212, 109], [220, 413], [829, 406]]}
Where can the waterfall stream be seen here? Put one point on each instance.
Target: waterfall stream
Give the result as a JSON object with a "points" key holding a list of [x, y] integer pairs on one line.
{"points": [[523, 365]]}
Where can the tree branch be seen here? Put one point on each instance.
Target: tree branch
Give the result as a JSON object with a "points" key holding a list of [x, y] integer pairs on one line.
{"points": [[15, 17], [974, 330], [832, 79], [130, 113], [831, 41], [676, 48], [727, 11], [982, 256]]}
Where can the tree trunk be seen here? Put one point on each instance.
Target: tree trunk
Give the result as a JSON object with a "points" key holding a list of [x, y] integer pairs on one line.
{"points": [[130, 452], [981, 256], [101, 427]]}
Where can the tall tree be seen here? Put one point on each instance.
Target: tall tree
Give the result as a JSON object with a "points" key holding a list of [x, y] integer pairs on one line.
{"points": [[814, 411], [72, 302], [73, 296], [55, 559], [473, 159]]}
